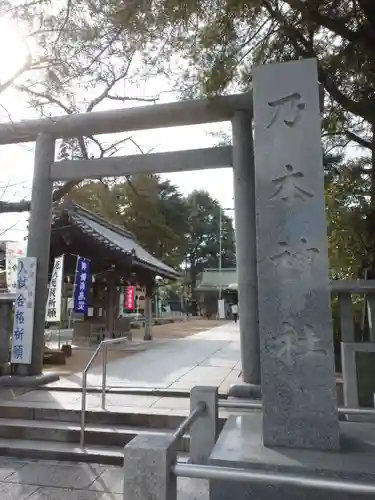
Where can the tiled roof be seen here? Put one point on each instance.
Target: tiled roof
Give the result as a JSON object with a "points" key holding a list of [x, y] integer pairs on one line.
{"points": [[117, 238]]}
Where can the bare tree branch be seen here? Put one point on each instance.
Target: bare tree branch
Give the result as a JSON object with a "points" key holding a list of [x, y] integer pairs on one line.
{"points": [[24, 6], [140, 99], [15, 207], [305, 49], [103, 61], [25, 67], [4, 231], [98, 144], [140, 149], [102, 51], [65, 22], [359, 140], [357, 108], [111, 150], [337, 26], [47, 97], [110, 85]]}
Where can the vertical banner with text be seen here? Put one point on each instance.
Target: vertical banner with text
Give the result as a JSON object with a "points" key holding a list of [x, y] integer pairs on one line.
{"points": [[53, 306], [23, 325], [130, 298], [82, 285]]}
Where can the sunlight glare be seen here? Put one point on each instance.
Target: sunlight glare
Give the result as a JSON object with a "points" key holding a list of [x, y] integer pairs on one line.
{"points": [[13, 49]]}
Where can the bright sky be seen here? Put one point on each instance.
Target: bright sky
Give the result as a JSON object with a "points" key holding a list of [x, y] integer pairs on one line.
{"points": [[17, 160]]}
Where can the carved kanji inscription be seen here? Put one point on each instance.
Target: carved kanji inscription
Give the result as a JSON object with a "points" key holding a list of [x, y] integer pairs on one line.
{"points": [[288, 186], [285, 257], [287, 109], [292, 343], [292, 258], [310, 252]]}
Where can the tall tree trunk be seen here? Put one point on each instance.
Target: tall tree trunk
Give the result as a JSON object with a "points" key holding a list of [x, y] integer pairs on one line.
{"points": [[369, 257], [193, 282]]}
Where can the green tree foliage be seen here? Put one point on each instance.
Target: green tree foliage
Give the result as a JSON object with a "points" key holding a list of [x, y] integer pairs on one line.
{"points": [[97, 197], [156, 213], [348, 205], [204, 235], [172, 292]]}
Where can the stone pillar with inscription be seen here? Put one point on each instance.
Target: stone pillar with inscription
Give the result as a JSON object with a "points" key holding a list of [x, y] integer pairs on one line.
{"points": [[296, 341]]}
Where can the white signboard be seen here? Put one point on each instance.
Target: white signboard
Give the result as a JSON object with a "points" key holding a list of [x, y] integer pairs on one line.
{"points": [[23, 324], [13, 251], [221, 308], [53, 306]]}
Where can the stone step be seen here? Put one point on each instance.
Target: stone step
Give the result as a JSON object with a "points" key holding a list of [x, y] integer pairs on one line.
{"points": [[95, 435], [66, 452], [113, 389], [52, 450], [128, 417]]}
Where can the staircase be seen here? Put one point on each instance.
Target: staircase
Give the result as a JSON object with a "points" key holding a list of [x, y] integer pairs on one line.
{"points": [[54, 434]]}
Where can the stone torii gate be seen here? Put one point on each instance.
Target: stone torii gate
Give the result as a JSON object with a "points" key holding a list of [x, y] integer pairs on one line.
{"points": [[234, 108]]}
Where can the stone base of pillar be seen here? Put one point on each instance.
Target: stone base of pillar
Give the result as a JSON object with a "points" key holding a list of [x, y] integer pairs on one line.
{"points": [[243, 390], [23, 370], [240, 445]]}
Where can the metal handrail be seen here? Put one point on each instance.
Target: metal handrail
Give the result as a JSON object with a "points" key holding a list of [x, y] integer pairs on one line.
{"points": [[233, 474], [356, 411], [102, 346], [240, 405], [186, 424], [249, 405]]}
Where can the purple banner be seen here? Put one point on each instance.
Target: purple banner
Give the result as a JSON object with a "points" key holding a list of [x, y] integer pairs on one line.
{"points": [[82, 286]]}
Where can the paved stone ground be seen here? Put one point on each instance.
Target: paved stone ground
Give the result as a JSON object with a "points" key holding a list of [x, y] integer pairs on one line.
{"points": [[47, 480], [211, 357], [161, 334]]}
